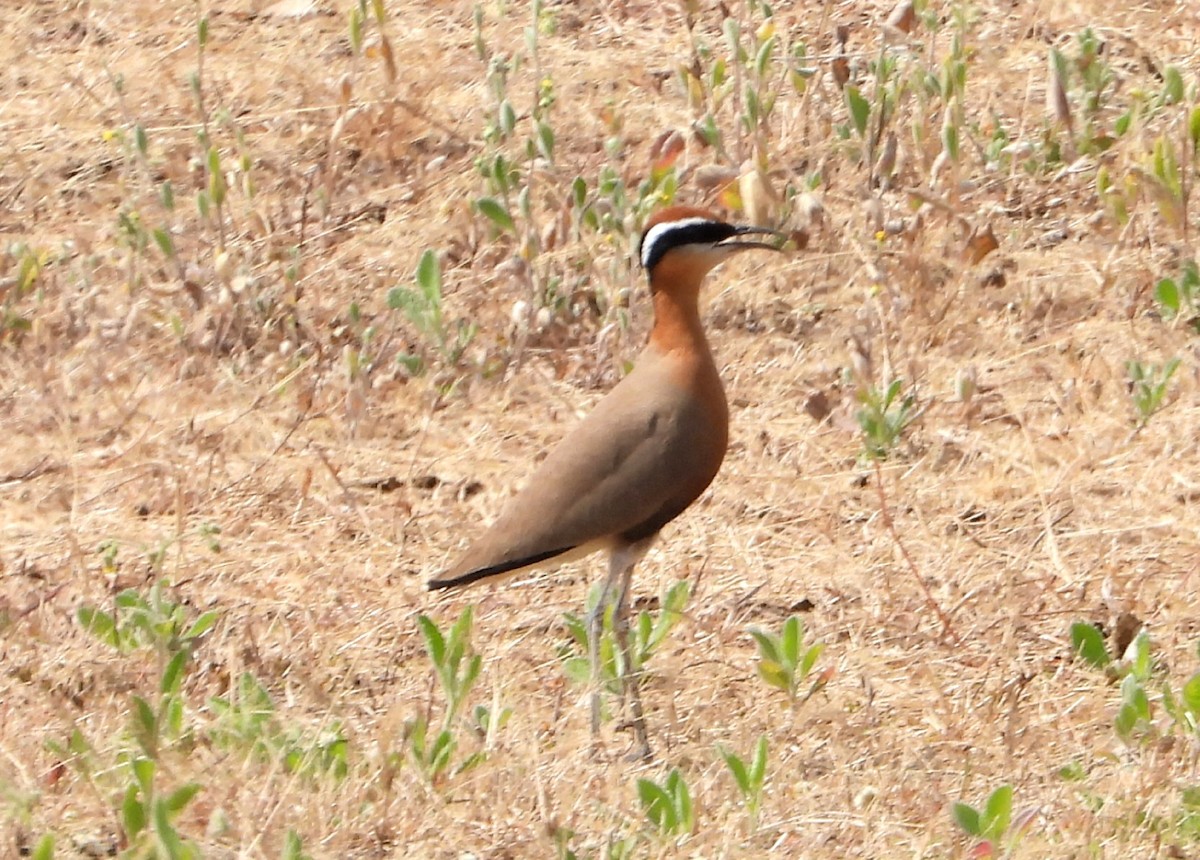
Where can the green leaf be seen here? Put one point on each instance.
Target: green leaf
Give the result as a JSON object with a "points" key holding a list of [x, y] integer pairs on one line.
{"points": [[173, 672], [579, 192], [763, 58], [460, 633], [1194, 130], [429, 277], [202, 624], [997, 814], [775, 675], [578, 670], [768, 646], [408, 301], [1191, 695], [758, 768], [1088, 642], [860, 109], [182, 796], [172, 715], [164, 241], [1167, 293], [737, 768], [1141, 648], [165, 831], [494, 211], [1073, 771], [1190, 281], [143, 770], [507, 119], [950, 138], [1172, 92], [967, 817], [133, 813], [677, 598], [1125, 721], [440, 753], [435, 644], [147, 723], [545, 140], [99, 623], [474, 666], [810, 658], [78, 744], [216, 178], [293, 849], [789, 642], [644, 632], [685, 815], [356, 29], [656, 805], [44, 850]]}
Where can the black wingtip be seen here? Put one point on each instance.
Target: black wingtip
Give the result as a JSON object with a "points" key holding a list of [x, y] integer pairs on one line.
{"points": [[492, 570]]}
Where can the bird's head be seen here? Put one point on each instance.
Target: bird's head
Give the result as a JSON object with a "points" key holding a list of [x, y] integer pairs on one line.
{"points": [[683, 243]]}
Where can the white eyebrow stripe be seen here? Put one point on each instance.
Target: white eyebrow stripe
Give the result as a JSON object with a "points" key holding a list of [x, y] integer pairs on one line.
{"points": [[656, 233]]}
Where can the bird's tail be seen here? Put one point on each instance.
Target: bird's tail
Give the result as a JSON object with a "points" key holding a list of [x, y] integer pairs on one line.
{"points": [[456, 577]]}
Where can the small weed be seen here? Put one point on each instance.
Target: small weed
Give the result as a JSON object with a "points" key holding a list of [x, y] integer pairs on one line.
{"points": [[1148, 386], [246, 720], [23, 267], [647, 634], [883, 418], [456, 667], [786, 664], [422, 306], [1179, 298], [158, 725], [457, 670], [153, 620], [749, 777], [293, 847], [1137, 714], [668, 806], [147, 815], [998, 833]]}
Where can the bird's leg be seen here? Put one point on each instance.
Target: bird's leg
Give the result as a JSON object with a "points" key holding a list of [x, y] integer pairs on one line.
{"points": [[595, 622], [631, 677]]}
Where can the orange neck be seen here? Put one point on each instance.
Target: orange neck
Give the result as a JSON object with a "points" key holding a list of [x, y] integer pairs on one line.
{"points": [[675, 291]]}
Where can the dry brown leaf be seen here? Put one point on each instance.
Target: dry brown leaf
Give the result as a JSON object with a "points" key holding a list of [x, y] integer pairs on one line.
{"points": [[666, 149], [903, 17], [840, 67], [980, 243], [1057, 105], [710, 177], [758, 198]]}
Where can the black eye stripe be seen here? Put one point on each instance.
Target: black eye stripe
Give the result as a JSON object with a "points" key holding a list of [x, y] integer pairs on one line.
{"points": [[663, 237]]}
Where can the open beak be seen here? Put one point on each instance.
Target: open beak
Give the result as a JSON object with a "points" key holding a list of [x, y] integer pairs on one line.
{"points": [[737, 242]]}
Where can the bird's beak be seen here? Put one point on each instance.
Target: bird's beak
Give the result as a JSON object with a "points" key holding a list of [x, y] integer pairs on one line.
{"points": [[735, 242]]}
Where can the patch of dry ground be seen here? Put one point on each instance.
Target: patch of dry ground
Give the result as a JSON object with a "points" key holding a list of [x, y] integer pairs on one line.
{"points": [[134, 414]]}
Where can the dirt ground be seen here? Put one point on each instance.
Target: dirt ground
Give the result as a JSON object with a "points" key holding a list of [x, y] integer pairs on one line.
{"points": [[231, 419]]}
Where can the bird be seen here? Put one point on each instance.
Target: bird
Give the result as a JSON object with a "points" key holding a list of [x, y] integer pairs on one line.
{"points": [[647, 450]]}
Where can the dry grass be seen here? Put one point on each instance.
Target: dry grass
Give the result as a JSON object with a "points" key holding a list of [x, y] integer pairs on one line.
{"points": [[131, 414]]}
